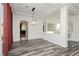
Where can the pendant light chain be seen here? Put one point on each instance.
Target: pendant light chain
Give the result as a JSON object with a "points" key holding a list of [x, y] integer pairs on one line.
{"points": [[34, 21]]}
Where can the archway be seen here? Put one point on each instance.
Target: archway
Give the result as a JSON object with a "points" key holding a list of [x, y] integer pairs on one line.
{"points": [[23, 30]]}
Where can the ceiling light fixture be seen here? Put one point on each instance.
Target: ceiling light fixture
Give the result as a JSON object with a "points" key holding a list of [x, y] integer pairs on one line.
{"points": [[34, 21]]}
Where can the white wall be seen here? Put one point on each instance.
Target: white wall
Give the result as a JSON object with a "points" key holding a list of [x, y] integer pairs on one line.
{"points": [[53, 20], [75, 34], [34, 31], [62, 38], [1, 20]]}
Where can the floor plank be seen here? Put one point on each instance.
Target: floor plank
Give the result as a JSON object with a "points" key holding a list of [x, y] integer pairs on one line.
{"points": [[41, 47]]}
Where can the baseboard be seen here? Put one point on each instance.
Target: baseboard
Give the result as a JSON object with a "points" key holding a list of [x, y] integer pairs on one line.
{"points": [[28, 39], [73, 40], [34, 38]]}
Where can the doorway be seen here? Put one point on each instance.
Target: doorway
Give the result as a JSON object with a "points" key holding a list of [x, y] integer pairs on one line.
{"points": [[23, 30]]}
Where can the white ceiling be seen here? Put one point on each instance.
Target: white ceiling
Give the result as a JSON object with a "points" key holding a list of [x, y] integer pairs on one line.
{"points": [[44, 9]]}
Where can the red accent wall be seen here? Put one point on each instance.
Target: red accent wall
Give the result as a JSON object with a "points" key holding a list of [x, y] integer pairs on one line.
{"points": [[7, 28]]}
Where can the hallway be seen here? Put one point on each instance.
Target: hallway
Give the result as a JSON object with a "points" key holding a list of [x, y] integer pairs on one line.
{"points": [[41, 47]]}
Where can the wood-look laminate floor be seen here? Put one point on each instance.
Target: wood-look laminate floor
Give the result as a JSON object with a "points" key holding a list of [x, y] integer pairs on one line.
{"points": [[40, 47]]}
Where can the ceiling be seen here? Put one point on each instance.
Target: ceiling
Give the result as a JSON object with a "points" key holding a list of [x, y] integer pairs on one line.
{"points": [[44, 9]]}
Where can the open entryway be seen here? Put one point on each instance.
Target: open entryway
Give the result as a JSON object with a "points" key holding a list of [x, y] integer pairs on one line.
{"points": [[23, 30]]}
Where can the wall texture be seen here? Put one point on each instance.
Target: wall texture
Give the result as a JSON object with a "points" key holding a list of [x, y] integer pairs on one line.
{"points": [[62, 38], [34, 31], [75, 33], [7, 28]]}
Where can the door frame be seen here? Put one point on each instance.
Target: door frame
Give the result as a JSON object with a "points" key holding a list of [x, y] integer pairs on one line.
{"points": [[26, 22]]}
